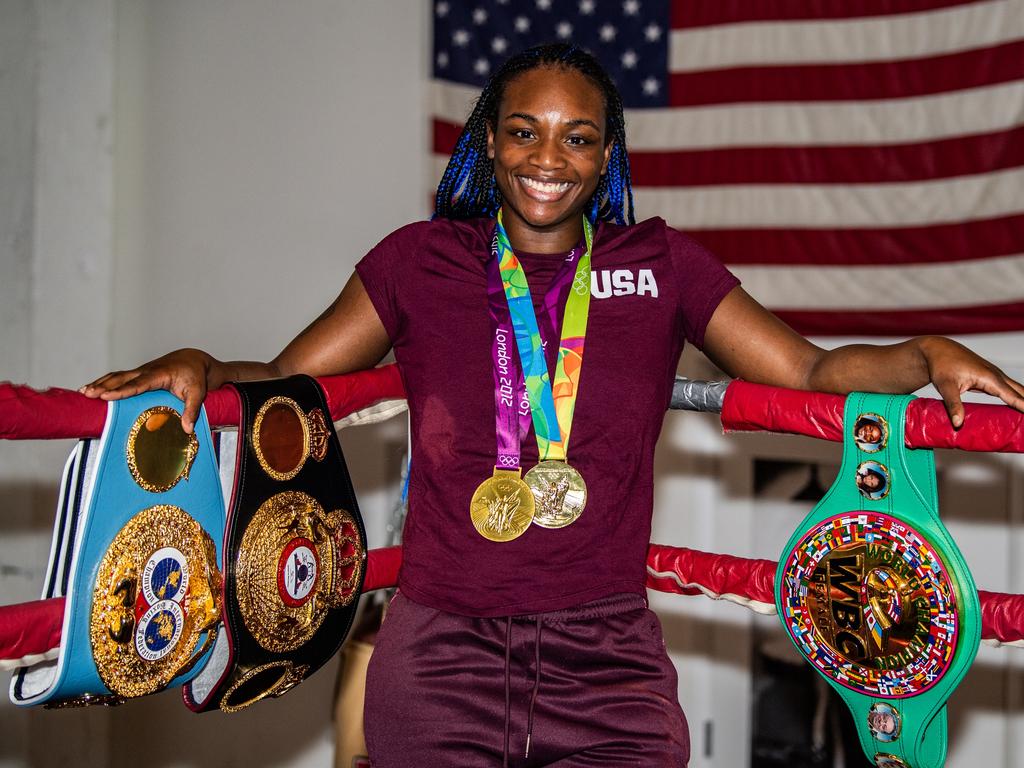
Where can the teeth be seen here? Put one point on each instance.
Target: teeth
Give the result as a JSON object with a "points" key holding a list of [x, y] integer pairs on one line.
{"points": [[549, 187]]}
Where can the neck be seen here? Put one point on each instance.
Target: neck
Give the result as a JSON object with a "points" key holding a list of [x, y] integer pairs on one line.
{"points": [[556, 238]]}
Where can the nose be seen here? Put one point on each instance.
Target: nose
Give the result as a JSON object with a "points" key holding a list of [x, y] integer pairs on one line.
{"points": [[548, 154]]}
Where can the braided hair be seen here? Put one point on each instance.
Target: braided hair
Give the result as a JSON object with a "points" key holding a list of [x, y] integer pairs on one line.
{"points": [[468, 188]]}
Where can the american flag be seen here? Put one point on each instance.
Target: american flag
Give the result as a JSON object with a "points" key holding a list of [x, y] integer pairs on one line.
{"points": [[859, 164]]}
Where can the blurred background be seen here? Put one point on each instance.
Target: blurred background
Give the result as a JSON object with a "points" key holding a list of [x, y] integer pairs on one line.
{"points": [[207, 173]]}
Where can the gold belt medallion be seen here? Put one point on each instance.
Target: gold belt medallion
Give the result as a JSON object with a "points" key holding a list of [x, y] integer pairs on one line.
{"points": [[157, 591], [272, 679], [883, 760], [283, 437], [502, 507], [559, 492], [295, 563], [319, 434], [866, 595], [159, 452]]}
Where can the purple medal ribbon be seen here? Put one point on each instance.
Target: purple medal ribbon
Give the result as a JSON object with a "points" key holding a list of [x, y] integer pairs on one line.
{"points": [[550, 321], [512, 416]]}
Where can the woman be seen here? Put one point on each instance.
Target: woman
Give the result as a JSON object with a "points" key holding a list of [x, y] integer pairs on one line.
{"points": [[532, 644]]}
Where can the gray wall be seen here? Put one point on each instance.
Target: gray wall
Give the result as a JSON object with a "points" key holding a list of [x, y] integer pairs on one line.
{"points": [[190, 173]]}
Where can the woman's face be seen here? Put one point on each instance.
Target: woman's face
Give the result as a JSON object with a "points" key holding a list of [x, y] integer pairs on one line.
{"points": [[882, 722], [869, 433], [871, 481], [548, 147]]}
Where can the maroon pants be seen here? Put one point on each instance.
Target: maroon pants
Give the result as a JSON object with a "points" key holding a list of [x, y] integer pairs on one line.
{"points": [[587, 686]]}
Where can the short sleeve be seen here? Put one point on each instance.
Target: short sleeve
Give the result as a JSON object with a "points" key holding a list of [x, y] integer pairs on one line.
{"points": [[704, 281], [380, 271]]}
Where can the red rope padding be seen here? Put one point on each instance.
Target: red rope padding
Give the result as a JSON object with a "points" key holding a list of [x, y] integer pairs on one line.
{"points": [[679, 570], [34, 628], [673, 569], [1001, 616], [25, 413], [382, 568], [31, 414], [30, 628], [760, 408]]}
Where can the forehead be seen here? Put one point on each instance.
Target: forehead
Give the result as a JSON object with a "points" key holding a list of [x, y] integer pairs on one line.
{"points": [[553, 89]]}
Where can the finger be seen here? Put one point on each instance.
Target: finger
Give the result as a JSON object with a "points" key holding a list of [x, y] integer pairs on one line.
{"points": [[144, 382], [109, 381], [950, 394], [193, 398], [1018, 388], [1006, 389]]}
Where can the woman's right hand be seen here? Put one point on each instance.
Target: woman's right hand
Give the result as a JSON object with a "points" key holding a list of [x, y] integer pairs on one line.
{"points": [[185, 373], [347, 337]]}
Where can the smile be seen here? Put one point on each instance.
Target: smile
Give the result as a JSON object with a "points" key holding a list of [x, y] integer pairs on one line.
{"points": [[546, 189]]}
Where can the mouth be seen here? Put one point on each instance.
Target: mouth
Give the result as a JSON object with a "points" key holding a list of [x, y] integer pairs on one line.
{"points": [[544, 191]]}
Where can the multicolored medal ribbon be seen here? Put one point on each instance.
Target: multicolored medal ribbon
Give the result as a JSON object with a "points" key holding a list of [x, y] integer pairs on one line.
{"points": [[557, 492]]}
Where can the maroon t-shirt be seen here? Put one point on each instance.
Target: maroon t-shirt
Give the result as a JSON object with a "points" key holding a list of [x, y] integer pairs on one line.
{"points": [[652, 289]]}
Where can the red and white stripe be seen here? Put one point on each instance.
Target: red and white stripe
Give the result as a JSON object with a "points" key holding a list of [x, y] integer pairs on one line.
{"points": [[858, 163]]}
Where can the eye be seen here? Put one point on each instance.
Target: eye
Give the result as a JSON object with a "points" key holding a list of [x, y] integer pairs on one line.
{"points": [[577, 140], [522, 133]]}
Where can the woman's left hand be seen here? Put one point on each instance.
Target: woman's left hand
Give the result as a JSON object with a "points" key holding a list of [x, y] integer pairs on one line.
{"points": [[954, 369], [747, 341]]}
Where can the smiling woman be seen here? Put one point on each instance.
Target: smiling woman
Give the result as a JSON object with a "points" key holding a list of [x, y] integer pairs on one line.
{"points": [[549, 150], [520, 629], [579, 106]]}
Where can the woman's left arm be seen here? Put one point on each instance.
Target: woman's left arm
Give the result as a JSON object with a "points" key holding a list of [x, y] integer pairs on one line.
{"points": [[747, 341]]}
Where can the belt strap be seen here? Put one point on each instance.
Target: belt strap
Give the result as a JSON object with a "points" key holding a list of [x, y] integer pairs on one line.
{"points": [[294, 549], [875, 594], [135, 553]]}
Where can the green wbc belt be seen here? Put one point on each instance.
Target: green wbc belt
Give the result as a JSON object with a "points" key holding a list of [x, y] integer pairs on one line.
{"points": [[875, 594]]}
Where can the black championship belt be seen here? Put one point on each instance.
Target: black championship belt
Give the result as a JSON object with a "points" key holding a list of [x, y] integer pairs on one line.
{"points": [[294, 549]]}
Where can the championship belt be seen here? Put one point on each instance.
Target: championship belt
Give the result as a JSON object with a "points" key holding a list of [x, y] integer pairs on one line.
{"points": [[875, 594], [294, 549], [135, 554]]}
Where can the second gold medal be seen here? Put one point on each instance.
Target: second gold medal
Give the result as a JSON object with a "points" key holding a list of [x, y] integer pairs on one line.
{"points": [[559, 493]]}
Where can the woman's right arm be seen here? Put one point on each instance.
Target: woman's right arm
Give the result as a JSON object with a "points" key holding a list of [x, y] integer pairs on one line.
{"points": [[348, 336]]}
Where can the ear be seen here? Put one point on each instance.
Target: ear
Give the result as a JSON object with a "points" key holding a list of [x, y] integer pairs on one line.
{"points": [[490, 142], [607, 156]]}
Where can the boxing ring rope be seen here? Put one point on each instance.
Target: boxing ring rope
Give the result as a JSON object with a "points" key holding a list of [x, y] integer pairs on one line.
{"points": [[30, 632]]}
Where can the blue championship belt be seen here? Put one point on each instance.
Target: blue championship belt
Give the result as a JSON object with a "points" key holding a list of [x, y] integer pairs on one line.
{"points": [[135, 554], [294, 549], [875, 594]]}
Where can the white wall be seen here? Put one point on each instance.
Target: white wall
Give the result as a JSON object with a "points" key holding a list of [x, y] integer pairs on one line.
{"points": [[262, 149], [190, 173], [55, 244]]}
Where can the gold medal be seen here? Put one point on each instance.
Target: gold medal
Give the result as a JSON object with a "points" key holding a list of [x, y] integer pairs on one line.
{"points": [[559, 493], [502, 506]]}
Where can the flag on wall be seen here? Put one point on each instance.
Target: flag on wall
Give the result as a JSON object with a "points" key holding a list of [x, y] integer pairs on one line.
{"points": [[858, 163]]}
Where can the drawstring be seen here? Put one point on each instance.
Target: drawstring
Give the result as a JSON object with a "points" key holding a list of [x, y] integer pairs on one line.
{"points": [[508, 686], [596, 609], [536, 687]]}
